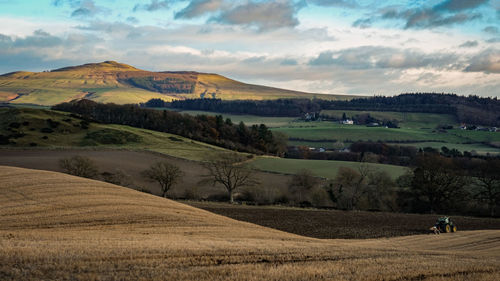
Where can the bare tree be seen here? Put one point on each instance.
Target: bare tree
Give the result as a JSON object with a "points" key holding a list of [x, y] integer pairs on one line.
{"points": [[302, 183], [487, 181], [80, 166], [230, 172], [165, 174]]}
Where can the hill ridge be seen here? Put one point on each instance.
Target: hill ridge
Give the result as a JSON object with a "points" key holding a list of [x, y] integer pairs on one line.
{"points": [[120, 83]]}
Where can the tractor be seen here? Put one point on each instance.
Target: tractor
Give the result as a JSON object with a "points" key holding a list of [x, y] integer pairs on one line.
{"points": [[444, 224]]}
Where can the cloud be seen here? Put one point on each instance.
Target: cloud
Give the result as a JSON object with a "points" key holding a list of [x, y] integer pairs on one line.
{"points": [[368, 57], [87, 8], [428, 18], [363, 23], [132, 20], [447, 13], [469, 44], [289, 62], [155, 5], [198, 8], [332, 3], [40, 39], [491, 30], [459, 5], [324, 58], [493, 40], [263, 15], [487, 61]]}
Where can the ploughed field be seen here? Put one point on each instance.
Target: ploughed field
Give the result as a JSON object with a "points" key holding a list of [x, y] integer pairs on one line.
{"points": [[59, 227], [332, 224]]}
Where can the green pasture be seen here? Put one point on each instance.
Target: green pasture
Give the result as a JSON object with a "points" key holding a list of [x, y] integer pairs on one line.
{"points": [[322, 168], [249, 120], [69, 134], [405, 119]]}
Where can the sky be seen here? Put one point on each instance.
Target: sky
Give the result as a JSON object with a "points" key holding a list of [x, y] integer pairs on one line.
{"points": [[354, 47]]}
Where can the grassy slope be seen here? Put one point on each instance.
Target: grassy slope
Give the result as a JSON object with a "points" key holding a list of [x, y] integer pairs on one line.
{"points": [[55, 226], [67, 135], [105, 82], [322, 168], [414, 127], [406, 119]]}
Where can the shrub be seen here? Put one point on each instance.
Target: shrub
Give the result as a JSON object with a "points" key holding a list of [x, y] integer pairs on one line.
{"points": [[110, 136], [118, 177], [80, 166]]}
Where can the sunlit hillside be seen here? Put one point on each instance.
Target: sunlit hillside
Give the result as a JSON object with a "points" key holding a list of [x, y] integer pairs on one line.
{"points": [[120, 83]]}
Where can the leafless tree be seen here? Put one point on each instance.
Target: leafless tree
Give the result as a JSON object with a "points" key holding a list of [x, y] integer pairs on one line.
{"points": [[302, 183], [229, 171], [165, 174]]}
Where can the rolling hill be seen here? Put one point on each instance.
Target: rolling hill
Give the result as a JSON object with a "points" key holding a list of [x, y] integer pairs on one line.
{"points": [[59, 227], [119, 83]]}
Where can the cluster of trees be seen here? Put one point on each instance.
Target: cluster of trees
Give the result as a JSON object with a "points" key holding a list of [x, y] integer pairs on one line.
{"points": [[379, 152], [209, 129], [471, 109], [279, 107], [82, 166], [435, 184]]}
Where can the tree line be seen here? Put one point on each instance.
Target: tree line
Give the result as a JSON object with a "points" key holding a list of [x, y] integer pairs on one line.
{"points": [[279, 107], [209, 129], [467, 109]]}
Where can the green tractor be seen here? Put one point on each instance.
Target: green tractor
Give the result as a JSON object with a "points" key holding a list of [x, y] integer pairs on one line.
{"points": [[444, 224]]}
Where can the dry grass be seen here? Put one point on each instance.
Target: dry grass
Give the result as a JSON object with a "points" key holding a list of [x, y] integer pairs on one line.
{"points": [[55, 226]]}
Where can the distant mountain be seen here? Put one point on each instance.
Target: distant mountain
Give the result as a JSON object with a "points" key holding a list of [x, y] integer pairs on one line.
{"points": [[119, 83]]}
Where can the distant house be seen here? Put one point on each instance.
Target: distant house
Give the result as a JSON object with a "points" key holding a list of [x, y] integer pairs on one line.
{"points": [[347, 122], [321, 149], [373, 124], [463, 127], [493, 129]]}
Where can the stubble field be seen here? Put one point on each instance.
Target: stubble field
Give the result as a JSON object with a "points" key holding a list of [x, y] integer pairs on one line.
{"points": [[56, 226]]}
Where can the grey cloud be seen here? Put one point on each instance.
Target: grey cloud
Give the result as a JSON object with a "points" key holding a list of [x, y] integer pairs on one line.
{"points": [[487, 61], [339, 3], [198, 8], [155, 5], [132, 20], [263, 15], [324, 58], [87, 8], [35, 51], [255, 59], [39, 39], [368, 57], [491, 30], [72, 3], [449, 12], [429, 18], [289, 62], [459, 5], [362, 23], [493, 40], [469, 44]]}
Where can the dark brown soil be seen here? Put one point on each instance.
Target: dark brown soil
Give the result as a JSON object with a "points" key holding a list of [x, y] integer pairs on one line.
{"points": [[329, 224]]}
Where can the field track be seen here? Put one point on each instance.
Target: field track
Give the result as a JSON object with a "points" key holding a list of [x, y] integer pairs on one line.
{"points": [[56, 226]]}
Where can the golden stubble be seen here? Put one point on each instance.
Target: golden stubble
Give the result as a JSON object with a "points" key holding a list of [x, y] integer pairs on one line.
{"points": [[56, 226]]}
